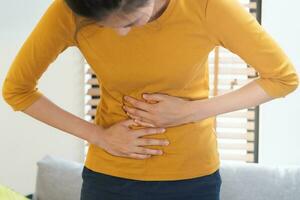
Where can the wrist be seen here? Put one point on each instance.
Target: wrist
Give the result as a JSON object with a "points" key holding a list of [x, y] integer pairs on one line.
{"points": [[197, 110], [96, 135]]}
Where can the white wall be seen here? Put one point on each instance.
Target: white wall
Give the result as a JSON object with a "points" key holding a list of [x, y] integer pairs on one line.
{"points": [[280, 121], [24, 140]]}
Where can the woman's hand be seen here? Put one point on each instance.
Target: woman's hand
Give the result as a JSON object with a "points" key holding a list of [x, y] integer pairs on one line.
{"points": [[159, 110], [121, 140], [170, 110]]}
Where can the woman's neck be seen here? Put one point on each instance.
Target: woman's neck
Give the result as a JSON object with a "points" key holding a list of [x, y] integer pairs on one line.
{"points": [[159, 7]]}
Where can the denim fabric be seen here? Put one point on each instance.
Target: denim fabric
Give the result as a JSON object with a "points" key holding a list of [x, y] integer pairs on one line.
{"points": [[99, 186]]}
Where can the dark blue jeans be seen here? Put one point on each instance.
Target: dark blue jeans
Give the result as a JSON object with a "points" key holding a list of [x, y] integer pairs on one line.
{"points": [[99, 186]]}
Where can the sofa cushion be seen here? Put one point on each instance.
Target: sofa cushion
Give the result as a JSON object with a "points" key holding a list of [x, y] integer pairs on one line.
{"points": [[58, 179]]}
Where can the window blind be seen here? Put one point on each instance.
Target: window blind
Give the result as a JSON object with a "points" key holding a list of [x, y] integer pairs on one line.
{"points": [[237, 132]]}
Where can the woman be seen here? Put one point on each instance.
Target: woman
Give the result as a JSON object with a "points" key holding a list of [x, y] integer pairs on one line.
{"points": [[162, 145]]}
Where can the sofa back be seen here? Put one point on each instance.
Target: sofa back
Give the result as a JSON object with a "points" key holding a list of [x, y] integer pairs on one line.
{"points": [[60, 179], [252, 181]]}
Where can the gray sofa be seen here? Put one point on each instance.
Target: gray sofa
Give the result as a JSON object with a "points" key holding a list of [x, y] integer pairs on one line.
{"points": [[59, 179]]}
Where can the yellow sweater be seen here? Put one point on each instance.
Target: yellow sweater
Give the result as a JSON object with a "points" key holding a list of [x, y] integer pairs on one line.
{"points": [[168, 55]]}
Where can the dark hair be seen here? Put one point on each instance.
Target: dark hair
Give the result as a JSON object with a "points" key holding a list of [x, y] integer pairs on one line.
{"points": [[91, 11]]}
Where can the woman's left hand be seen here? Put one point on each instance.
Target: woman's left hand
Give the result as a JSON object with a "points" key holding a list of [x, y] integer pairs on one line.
{"points": [[166, 111]]}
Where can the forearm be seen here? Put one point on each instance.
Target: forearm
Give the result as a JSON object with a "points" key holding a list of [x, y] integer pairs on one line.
{"points": [[247, 96], [46, 111]]}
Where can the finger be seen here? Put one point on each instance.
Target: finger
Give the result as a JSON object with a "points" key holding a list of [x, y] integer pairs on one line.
{"points": [[144, 123], [141, 104], [137, 112], [144, 142], [129, 122], [139, 156], [148, 131], [141, 120], [142, 150], [154, 96]]}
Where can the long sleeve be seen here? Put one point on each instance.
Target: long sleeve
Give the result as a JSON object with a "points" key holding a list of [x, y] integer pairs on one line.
{"points": [[230, 25], [51, 36]]}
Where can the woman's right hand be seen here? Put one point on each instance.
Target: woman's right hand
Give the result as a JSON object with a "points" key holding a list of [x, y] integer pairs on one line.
{"points": [[120, 140]]}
